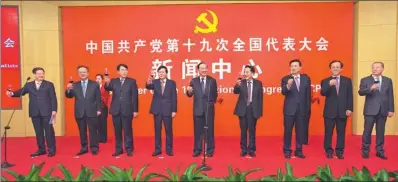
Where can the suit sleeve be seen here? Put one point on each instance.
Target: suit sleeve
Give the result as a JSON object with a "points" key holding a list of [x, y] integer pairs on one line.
{"points": [[391, 98], [215, 92], [325, 87], [98, 97], [69, 94], [364, 89], [350, 97], [135, 96], [174, 98], [190, 94], [20, 92], [309, 94], [149, 86], [285, 90], [53, 98], [109, 87], [237, 89]]}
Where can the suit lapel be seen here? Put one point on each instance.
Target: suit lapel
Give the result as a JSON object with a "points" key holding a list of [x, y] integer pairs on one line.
{"points": [[383, 85], [301, 83], [200, 84], [207, 84], [166, 87], [244, 89], [80, 88]]}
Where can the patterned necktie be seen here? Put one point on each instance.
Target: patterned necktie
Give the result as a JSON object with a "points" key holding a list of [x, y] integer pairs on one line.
{"points": [[298, 83], [84, 87], [249, 92], [162, 83], [203, 85], [337, 85]]}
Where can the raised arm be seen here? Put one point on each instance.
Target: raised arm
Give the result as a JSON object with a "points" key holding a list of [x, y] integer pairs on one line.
{"points": [[325, 87], [364, 89]]}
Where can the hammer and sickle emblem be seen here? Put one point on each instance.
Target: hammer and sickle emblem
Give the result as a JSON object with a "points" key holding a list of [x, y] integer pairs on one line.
{"points": [[211, 27]]}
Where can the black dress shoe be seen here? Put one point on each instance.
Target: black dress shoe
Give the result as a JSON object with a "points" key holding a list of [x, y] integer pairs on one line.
{"points": [[365, 156], [129, 154], [210, 155], [81, 152], [196, 154], [382, 156], [340, 156], [94, 152], [117, 154], [51, 154], [170, 153], [329, 156], [300, 155], [288, 156], [242, 154], [36, 154], [156, 154], [252, 154]]}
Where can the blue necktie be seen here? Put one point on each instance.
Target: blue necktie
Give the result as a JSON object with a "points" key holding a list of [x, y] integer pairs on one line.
{"points": [[84, 86]]}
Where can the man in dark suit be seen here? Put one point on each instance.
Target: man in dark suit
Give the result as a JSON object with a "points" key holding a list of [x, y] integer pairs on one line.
{"points": [[296, 88], [124, 107], [249, 108], [87, 109], [42, 110], [103, 118], [163, 108], [204, 90], [379, 104], [338, 107]]}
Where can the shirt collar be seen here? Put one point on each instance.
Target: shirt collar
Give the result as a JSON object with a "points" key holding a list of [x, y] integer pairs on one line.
{"points": [[204, 78]]}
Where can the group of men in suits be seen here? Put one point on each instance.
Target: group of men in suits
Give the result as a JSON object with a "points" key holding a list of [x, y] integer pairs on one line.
{"points": [[91, 109]]}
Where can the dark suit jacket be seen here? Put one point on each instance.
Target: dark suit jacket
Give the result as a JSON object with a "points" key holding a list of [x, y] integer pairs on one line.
{"points": [[163, 104], [124, 98], [88, 105], [294, 98], [203, 102], [337, 105], [42, 102], [257, 98], [376, 100]]}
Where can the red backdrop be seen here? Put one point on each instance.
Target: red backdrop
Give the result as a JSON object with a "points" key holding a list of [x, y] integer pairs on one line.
{"points": [[269, 35], [10, 56]]}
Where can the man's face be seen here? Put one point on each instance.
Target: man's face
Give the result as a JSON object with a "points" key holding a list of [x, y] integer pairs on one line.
{"points": [[295, 67], [83, 73], [39, 75], [123, 72], [162, 73], [248, 74], [377, 69], [98, 79], [335, 68], [203, 70]]}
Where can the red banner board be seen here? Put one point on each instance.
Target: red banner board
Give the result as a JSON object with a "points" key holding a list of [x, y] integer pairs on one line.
{"points": [[10, 56]]}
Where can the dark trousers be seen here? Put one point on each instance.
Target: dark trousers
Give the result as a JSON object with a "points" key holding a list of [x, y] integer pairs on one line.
{"points": [[92, 124], [248, 122], [380, 122], [168, 125], [123, 124], [199, 124], [289, 122], [340, 124], [102, 125], [43, 128]]}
